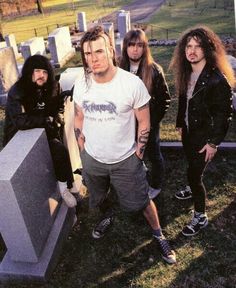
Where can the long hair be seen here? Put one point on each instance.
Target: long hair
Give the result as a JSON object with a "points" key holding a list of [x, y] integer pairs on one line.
{"points": [[36, 62], [145, 71], [92, 35], [214, 53]]}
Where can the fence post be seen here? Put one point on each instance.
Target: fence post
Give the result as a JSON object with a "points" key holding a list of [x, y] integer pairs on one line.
{"points": [[35, 32]]}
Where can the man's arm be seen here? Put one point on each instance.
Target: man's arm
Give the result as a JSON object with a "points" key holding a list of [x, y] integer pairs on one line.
{"points": [[161, 93], [20, 119], [143, 119], [78, 125]]}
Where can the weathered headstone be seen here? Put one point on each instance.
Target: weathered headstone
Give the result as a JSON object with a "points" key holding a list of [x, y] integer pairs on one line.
{"points": [[118, 46], [81, 22], [11, 42], [67, 80], [109, 29], [123, 22], [60, 46], [33, 46], [8, 72], [33, 220]]}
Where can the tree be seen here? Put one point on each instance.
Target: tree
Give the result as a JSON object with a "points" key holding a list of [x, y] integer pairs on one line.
{"points": [[39, 6]]}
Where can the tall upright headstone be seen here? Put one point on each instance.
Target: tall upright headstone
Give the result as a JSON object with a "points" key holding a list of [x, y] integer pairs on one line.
{"points": [[33, 46], [109, 29], [11, 42], [123, 22], [8, 72], [33, 220], [60, 46], [81, 22]]}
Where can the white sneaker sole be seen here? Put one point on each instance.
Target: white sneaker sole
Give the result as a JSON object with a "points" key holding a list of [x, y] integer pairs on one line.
{"points": [[193, 234]]}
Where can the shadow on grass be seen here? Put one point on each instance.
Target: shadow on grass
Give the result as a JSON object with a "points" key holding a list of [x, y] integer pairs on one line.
{"points": [[127, 257], [217, 265]]}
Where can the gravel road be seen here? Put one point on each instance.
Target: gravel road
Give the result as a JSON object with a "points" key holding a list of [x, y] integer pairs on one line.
{"points": [[140, 11]]}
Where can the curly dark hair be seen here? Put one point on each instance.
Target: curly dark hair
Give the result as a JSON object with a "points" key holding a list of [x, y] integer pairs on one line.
{"points": [[214, 53]]}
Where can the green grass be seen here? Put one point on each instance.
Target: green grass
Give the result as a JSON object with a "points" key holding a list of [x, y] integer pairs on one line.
{"points": [[57, 13], [182, 15], [127, 257]]}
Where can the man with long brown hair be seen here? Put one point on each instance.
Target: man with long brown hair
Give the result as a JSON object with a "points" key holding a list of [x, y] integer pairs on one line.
{"points": [[108, 101], [203, 79], [137, 58]]}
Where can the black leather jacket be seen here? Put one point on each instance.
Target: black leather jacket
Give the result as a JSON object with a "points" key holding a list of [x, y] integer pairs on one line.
{"points": [[160, 96], [22, 113], [210, 108]]}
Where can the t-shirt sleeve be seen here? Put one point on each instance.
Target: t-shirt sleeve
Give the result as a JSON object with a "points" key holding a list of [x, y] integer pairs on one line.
{"points": [[141, 96], [76, 95]]}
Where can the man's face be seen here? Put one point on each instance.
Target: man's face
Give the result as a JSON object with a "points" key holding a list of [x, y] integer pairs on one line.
{"points": [[135, 50], [194, 52], [40, 76], [98, 55]]}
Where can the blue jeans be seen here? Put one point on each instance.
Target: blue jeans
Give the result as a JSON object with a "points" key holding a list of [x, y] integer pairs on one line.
{"points": [[154, 159]]}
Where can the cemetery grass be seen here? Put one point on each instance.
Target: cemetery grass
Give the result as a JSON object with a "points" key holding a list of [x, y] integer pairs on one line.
{"points": [[127, 257], [181, 15], [57, 13]]}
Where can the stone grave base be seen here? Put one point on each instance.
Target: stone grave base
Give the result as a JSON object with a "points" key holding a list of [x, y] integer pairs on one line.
{"points": [[11, 271]]}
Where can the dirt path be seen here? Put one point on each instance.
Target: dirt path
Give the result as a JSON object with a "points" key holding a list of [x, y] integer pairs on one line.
{"points": [[140, 10]]}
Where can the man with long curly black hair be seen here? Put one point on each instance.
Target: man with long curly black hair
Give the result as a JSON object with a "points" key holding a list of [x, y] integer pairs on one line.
{"points": [[203, 78]]}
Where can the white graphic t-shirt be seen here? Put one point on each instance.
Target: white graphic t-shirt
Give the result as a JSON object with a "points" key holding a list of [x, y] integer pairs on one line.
{"points": [[109, 119]]}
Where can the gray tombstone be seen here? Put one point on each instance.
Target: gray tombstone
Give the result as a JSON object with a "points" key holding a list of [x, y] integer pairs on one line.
{"points": [[8, 72], [67, 80], [81, 21], [60, 46], [123, 22], [33, 220], [118, 46], [109, 29], [11, 42], [33, 46]]}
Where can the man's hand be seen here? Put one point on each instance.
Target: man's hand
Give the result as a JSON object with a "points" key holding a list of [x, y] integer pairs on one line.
{"points": [[210, 152]]}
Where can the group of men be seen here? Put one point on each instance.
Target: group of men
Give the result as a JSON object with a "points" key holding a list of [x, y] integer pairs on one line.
{"points": [[118, 109]]}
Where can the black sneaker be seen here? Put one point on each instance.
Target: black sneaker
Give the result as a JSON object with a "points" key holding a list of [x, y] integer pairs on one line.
{"points": [[102, 227], [184, 194], [167, 253], [197, 223]]}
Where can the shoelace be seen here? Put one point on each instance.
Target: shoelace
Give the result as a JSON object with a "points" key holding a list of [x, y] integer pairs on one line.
{"points": [[164, 245], [104, 224], [194, 221]]}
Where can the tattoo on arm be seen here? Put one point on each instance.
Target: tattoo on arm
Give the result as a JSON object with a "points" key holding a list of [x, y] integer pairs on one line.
{"points": [[142, 140], [144, 106]]}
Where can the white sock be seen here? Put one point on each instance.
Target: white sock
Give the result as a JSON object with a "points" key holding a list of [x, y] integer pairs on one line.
{"points": [[62, 186]]}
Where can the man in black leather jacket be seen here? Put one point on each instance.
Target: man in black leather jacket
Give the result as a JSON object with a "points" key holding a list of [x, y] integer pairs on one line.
{"points": [[136, 58], [34, 101], [203, 82]]}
